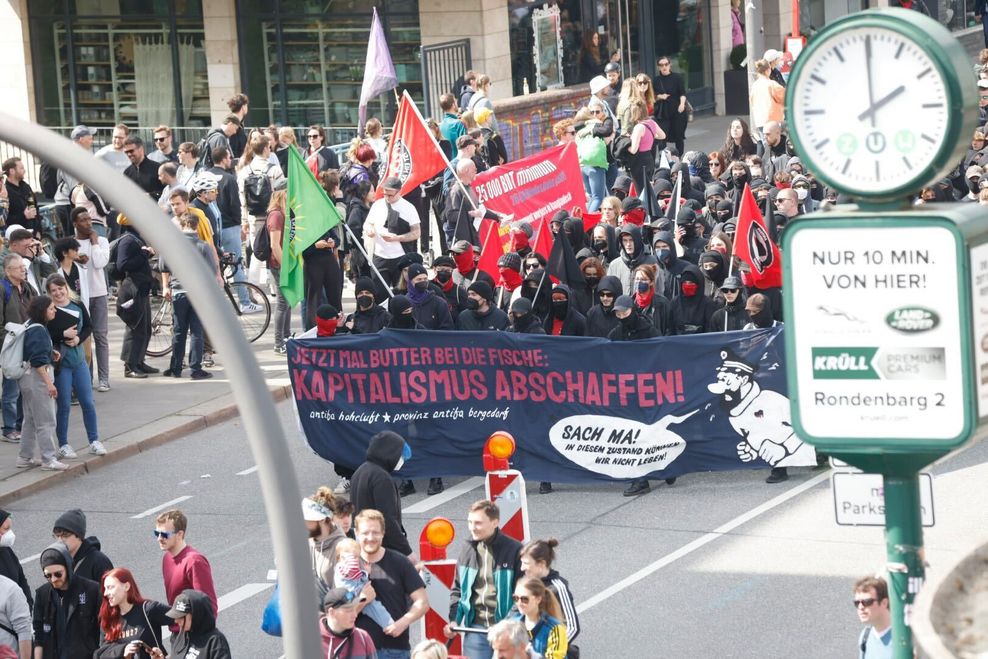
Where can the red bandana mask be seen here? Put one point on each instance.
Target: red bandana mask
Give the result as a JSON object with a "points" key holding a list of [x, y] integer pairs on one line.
{"points": [[510, 278], [326, 327], [464, 261]]}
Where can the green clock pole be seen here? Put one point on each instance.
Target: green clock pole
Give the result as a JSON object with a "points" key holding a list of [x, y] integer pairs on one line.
{"points": [[904, 547]]}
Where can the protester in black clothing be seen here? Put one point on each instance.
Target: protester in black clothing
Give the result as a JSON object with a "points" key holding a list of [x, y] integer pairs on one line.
{"points": [[66, 610], [129, 622], [509, 279], [481, 314], [732, 316], [601, 319], [649, 303], [691, 310], [465, 256], [197, 636], [22, 202], [689, 234], [537, 289], [523, 319], [670, 105], [713, 264], [455, 295], [356, 215], [134, 262], [322, 274], [585, 296], [10, 567], [430, 310], [318, 154], [400, 308], [369, 318], [143, 171], [564, 319], [372, 486], [88, 559]]}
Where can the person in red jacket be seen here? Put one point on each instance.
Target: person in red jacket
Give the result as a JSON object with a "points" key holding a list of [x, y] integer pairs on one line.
{"points": [[181, 566], [337, 627]]}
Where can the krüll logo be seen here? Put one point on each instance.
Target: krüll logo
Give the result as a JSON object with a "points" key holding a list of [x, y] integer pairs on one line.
{"points": [[910, 320], [844, 364]]}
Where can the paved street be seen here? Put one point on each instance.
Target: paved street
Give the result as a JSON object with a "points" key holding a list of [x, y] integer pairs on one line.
{"points": [[717, 565]]}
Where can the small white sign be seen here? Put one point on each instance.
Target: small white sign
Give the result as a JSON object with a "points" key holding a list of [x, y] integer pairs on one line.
{"points": [[859, 498], [979, 310], [878, 351]]}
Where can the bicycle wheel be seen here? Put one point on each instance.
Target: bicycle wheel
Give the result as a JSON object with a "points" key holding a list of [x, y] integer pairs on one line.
{"points": [[161, 327], [253, 324]]}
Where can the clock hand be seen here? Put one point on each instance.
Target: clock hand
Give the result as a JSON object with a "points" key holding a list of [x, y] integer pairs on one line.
{"points": [[882, 102], [871, 87]]}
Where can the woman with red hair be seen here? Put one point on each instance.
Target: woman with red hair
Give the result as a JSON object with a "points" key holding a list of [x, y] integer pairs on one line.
{"points": [[131, 624]]}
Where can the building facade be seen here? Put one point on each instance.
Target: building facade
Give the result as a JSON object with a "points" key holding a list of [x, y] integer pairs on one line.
{"points": [[145, 62]]}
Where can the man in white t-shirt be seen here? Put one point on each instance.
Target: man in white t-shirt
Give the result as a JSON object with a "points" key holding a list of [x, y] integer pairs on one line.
{"points": [[94, 254], [391, 222]]}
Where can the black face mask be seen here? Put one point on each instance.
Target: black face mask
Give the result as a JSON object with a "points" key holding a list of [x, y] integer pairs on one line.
{"points": [[471, 304], [761, 318], [974, 186], [738, 178], [421, 286], [712, 204], [520, 319], [365, 302], [528, 292], [600, 245], [723, 215], [714, 274], [592, 281], [628, 320], [443, 276], [403, 321], [559, 308]]}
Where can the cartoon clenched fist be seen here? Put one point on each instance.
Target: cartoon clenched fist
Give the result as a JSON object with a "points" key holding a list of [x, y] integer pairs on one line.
{"points": [[771, 452], [746, 453]]}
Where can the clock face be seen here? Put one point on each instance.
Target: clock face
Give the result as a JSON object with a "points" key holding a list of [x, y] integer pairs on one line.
{"points": [[871, 110]]}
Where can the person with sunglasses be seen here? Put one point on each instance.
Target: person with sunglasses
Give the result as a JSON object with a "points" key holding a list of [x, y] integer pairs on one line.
{"points": [[539, 610], [88, 561], [66, 609], [164, 151], [182, 566], [317, 155], [871, 601], [670, 105]]}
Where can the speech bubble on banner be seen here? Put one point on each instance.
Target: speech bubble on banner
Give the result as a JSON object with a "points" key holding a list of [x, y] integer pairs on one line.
{"points": [[620, 448]]}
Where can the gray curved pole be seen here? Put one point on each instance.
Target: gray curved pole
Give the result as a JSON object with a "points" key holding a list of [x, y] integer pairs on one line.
{"points": [[264, 433]]}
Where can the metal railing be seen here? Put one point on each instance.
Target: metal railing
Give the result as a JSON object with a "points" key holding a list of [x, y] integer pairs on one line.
{"points": [[442, 66]]}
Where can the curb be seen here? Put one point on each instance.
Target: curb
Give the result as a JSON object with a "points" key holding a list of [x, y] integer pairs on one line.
{"points": [[279, 393]]}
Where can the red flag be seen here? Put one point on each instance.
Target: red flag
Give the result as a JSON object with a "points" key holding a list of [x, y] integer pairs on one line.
{"points": [[494, 240], [753, 245], [543, 237], [413, 154]]}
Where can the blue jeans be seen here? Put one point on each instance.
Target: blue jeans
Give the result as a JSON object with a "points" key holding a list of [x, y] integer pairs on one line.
{"points": [[475, 646], [595, 183], [13, 415], [230, 240], [79, 378], [387, 653], [185, 321]]}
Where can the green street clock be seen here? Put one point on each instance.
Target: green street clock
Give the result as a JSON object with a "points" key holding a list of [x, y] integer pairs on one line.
{"points": [[881, 103]]}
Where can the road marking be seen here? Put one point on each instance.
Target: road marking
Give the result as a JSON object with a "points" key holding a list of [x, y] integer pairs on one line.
{"points": [[167, 504], [27, 560], [238, 595], [706, 539], [448, 494], [245, 472]]}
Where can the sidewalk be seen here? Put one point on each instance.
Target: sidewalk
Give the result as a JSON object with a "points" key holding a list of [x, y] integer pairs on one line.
{"points": [[136, 415]]}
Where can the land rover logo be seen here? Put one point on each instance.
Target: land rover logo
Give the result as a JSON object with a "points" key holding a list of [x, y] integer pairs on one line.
{"points": [[910, 320]]}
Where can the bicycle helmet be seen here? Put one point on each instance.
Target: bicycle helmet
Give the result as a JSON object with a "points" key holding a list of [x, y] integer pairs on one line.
{"points": [[204, 182]]}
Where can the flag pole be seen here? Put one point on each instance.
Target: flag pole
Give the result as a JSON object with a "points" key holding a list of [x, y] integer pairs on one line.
{"points": [[370, 261]]}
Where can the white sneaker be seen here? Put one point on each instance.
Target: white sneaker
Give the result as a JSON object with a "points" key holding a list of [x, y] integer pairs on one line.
{"points": [[250, 307], [97, 448], [54, 465], [343, 487], [103, 387], [66, 452], [24, 463]]}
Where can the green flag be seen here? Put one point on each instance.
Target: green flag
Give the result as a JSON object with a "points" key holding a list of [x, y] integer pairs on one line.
{"points": [[310, 215]]}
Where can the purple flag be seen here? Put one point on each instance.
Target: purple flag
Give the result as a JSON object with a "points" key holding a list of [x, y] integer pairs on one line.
{"points": [[379, 72]]}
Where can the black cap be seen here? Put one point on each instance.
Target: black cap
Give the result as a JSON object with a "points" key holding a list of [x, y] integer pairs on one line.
{"points": [[363, 284], [73, 521], [443, 261], [521, 305], [622, 183], [341, 598], [630, 203], [483, 289], [416, 269], [732, 283], [392, 183], [180, 608], [624, 303], [327, 312]]}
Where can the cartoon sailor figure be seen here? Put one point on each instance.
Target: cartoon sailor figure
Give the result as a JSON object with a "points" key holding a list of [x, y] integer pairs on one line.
{"points": [[760, 416]]}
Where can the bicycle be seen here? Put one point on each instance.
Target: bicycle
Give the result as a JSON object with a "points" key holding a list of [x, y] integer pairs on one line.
{"points": [[253, 324]]}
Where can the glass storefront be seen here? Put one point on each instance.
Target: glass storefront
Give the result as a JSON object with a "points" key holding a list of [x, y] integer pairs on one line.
{"points": [[102, 62], [303, 63], [594, 32]]}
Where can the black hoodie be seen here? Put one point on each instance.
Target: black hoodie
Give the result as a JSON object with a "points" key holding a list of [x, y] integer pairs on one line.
{"points": [[371, 486], [66, 622], [672, 267], [634, 328], [91, 563], [574, 323], [538, 282], [715, 276], [692, 315], [203, 640], [730, 317], [601, 319]]}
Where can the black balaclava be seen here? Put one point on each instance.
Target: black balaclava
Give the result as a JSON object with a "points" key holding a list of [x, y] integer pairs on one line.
{"points": [[719, 272], [398, 305], [763, 318]]}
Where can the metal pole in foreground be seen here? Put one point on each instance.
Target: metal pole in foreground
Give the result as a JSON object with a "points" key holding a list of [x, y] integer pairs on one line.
{"points": [[264, 433], [904, 546]]}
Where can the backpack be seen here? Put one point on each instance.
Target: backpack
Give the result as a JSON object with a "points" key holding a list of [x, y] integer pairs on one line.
{"points": [[111, 269], [257, 192], [12, 360], [48, 179], [262, 243], [347, 184], [8, 290]]}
